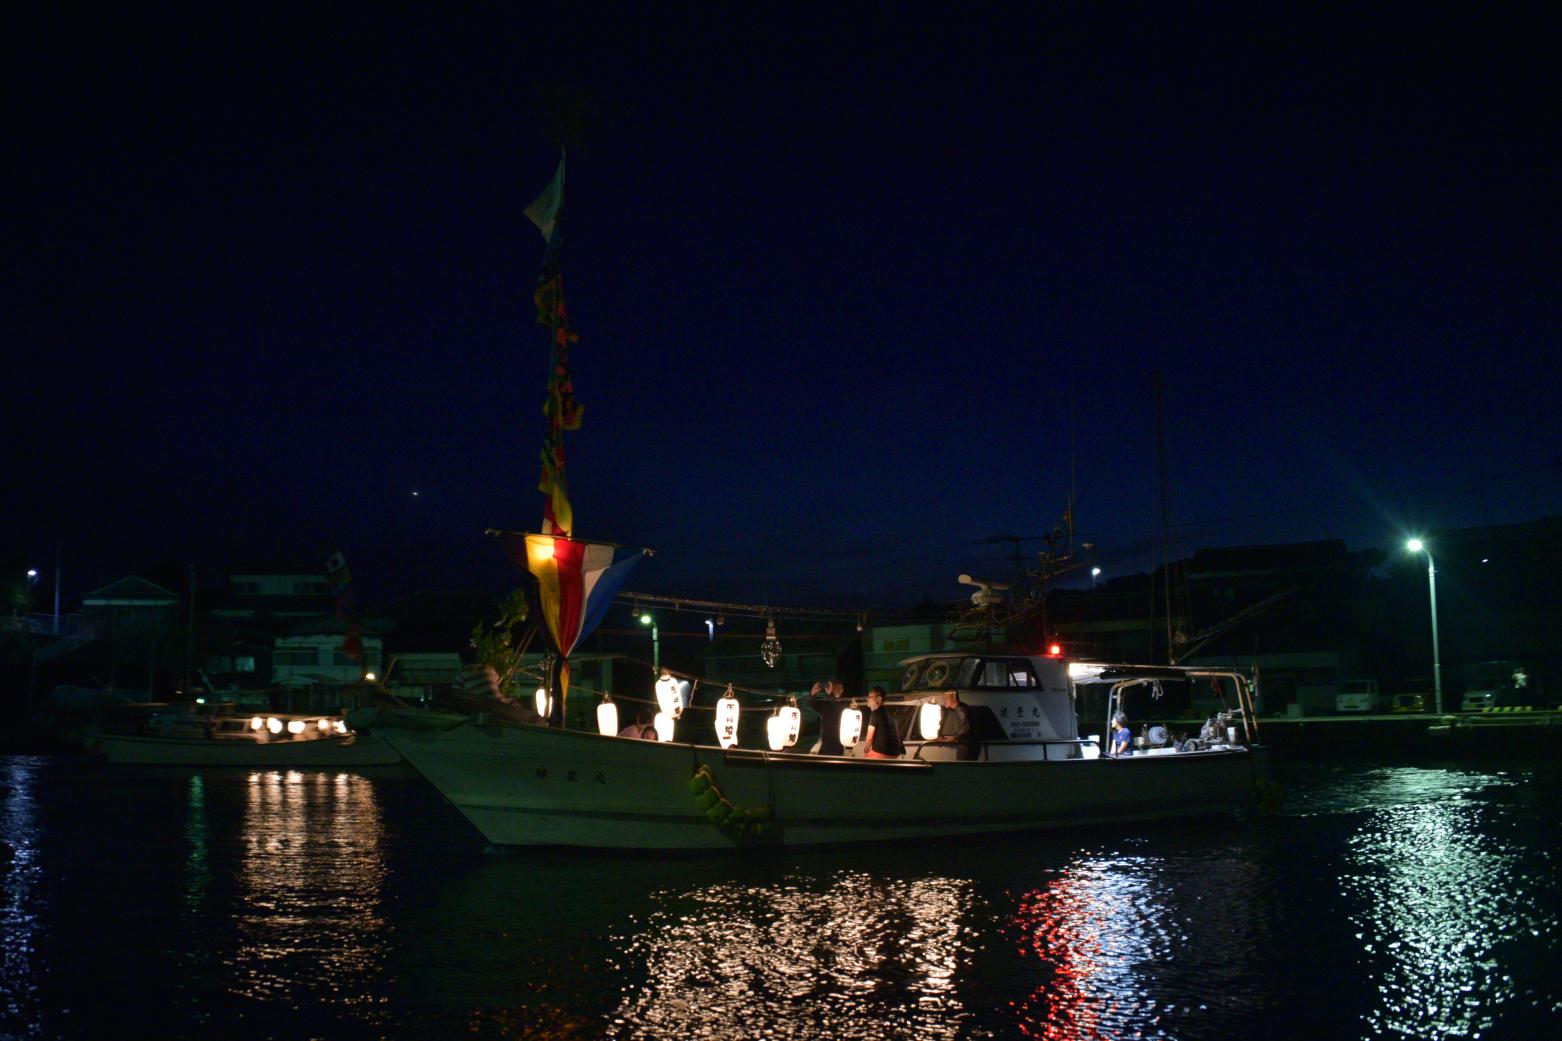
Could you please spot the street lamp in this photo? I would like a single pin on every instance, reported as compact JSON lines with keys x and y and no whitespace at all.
{"x":1095,"y":573}
{"x":1417,"y":546}
{"x":656,"y":641}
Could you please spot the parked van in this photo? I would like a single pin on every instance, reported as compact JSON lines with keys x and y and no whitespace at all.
{"x":1498,"y":684}
{"x":1358,"y":696}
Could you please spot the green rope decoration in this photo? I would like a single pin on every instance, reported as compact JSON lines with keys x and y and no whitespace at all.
{"x":1267,"y":797}
{"x":741,"y":822}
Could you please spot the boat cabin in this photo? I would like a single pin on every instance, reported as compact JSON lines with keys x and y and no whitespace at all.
{"x":1033,"y":707}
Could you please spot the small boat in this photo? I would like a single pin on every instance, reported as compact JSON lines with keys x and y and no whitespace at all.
{"x":182,"y":735}
{"x":524,"y":785}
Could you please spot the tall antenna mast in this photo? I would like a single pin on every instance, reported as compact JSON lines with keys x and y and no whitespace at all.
{"x":1160,"y":465}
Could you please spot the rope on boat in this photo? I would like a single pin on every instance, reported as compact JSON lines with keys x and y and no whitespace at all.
{"x":1267,"y":795}
{"x":740,"y":822}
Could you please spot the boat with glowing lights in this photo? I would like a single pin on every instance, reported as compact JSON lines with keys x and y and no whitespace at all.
{"x":531,"y":785}
{"x":182,"y":736}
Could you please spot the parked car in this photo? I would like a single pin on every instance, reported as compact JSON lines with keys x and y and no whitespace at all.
{"x":1358,"y":696}
{"x":1407,"y":703}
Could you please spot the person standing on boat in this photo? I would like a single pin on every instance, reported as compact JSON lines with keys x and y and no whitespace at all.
{"x":882,"y":740}
{"x":825,"y":700}
{"x":954,"y":727}
{"x":1122,"y":737}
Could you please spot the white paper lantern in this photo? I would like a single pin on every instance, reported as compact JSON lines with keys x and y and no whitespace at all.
{"x":727,"y":719}
{"x":607,"y":717}
{"x":672,"y":695}
{"x":274,"y":725}
{"x":295,"y":726}
{"x":256,"y":723}
{"x":792,"y":717}
{"x":541,"y":700}
{"x":928,"y":719}
{"x":775,"y":731}
{"x":851,"y":725}
{"x":664,"y":727}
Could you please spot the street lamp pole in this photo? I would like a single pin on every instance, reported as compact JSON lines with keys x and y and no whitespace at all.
{"x":656,"y":642}
{"x":1417,"y":546}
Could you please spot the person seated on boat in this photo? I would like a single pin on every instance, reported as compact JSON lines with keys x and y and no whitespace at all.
{"x":1122,"y":737}
{"x":644,"y":726}
{"x":882,"y":742}
{"x":954,"y":727}
{"x":824,"y":699}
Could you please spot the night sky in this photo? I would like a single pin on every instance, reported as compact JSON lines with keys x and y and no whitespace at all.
{"x":855,"y":295}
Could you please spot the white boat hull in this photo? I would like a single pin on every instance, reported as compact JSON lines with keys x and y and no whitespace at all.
{"x":349,"y":750}
{"x":532,"y":786}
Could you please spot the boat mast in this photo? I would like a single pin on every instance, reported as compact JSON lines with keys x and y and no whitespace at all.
{"x":1160,"y":465}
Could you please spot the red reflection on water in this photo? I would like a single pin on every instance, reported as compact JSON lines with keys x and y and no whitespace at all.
{"x":1063,"y":925}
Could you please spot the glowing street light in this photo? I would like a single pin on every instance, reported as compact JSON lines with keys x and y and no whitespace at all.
{"x":1417,"y":546}
{"x":656,"y":640}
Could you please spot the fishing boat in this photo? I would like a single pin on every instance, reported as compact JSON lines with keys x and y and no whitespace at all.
{"x":185,"y":735}
{"x":544,"y":786}
{"x":1022,"y":765}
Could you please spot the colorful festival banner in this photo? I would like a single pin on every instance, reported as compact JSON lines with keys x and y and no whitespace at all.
{"x":560,"y":408}
{"x":576,"y":580}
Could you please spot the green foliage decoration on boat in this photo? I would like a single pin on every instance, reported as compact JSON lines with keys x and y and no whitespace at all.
{"x":741,"y":822}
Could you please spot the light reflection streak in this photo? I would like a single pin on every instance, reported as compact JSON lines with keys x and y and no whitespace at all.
{"x":868,"y":958}
{"x":1439,"y":896}
{"x":20,"y":875}
{"x":311,"y":876}
{"x":1137,"y":946}
{"x":197,"y":865}
{"x":1089,"y":928}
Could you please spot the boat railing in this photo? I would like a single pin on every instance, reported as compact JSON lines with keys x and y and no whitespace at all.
{"x":1028,"y":742}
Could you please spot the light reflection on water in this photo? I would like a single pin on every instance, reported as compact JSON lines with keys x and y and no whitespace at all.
{"x":310,"y":879}
{"x":1091,"y":932}
{"x":20,"y":874}
{"x":1441,"y":891}
{"x":864,"y":957}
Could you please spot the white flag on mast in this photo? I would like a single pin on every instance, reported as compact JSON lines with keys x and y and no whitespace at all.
{"x":544,"y":210}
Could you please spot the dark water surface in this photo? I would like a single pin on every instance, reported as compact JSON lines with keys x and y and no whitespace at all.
{"x":1385,"y":901}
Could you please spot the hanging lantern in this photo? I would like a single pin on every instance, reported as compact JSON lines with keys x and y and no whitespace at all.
{"x":672,"y":695}
{"x":607,"y":716}
{"x":274,"y":725}
{"x":727,"y":719}
{"x":775,"y":731}
{"x":792,"y":716}
{"x":541,"y":700}
{"x":928,"y":719}
{"x":664,"y":727}
{"x":770,"y":650}
{"x":851,"y":725}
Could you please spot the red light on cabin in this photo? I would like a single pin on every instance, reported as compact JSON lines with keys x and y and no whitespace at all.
{"x":1054,"y":650}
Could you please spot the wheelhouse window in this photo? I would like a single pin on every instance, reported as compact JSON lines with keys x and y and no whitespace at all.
{"x":1005,"y":674}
